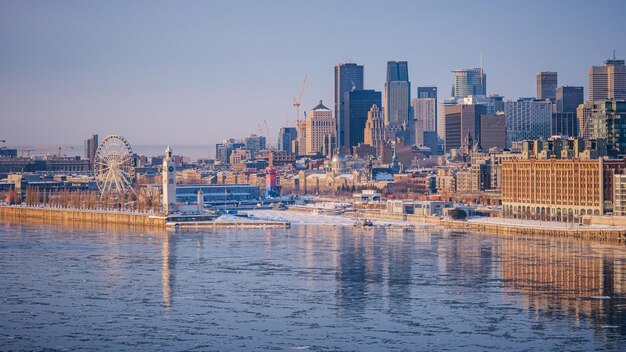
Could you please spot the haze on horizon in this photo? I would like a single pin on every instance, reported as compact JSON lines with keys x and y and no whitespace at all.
{"x":196,"y":72}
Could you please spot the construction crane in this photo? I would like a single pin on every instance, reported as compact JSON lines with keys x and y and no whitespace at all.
{"x":42,"y":147}
{"x":268,"y":141}
{"x":298,"y":100}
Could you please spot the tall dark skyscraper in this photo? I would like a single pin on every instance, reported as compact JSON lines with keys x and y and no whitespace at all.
{"x":397,"y":95}
{"x":348,"y":77}
{"x":286,"y":136}
{"x":568,"y":98}
{"x":546,"y":85}
{"x":357,"y":103}
{"x":564,"y":120}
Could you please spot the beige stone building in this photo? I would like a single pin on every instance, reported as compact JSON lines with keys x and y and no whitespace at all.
{"x":374,"y":132}
{"x":320,"y":129}
{"x":561,"y":190}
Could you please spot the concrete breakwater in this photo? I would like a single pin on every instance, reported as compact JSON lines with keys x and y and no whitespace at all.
{"x":78,"y":215}
{"x":230,"y":224}
{"x":123,"y":219}
{"x":615,"y":234}
{"x":590,"y":233}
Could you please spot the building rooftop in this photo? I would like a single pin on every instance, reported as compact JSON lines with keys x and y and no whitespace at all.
{"x":320,"y":106}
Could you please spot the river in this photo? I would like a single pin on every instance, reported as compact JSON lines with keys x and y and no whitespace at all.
{"x":311,"y":287}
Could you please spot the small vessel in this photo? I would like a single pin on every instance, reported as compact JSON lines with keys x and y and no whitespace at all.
{"x":364,"y":223}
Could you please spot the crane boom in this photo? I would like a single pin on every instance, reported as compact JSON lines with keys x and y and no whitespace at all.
{"x":298,"y":100}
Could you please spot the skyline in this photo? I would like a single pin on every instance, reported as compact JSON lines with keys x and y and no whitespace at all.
{"x":73,"y":68}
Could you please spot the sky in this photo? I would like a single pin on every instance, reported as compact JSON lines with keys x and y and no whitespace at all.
{"x":197,"y":72}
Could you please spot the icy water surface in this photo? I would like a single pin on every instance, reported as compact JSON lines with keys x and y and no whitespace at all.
{"x":316,"y":288}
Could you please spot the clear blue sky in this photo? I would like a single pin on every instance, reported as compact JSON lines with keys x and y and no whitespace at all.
{"x":195,"y":72}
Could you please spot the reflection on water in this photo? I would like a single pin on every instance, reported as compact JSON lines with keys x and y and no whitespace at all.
{"x":309,"y":287}
{"x":584,"y":279}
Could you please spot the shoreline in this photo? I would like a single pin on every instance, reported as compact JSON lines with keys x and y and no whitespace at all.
{"x":497,"y":226}
{"x":284,"y":219}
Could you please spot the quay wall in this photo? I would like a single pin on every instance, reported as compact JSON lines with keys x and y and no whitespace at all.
{"x":604,"y":234}
{"x":76,"y":215}
{"x":600,"y":234}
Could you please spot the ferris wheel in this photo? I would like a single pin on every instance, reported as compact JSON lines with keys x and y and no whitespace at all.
{"x":113,"y":165}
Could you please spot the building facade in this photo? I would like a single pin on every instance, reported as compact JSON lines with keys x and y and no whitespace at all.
{"x":462,"y":121}
{"x":357,"y":104}
{"x":493,"y":131}
{"x":608,"y":121}
{"x":557,"y":190}
{"x":320,"y":129}
{"x":255,"y":144}
{"x":608,"y":81}
{"x":286,"y":136}
{"x":619,"y":195}
{"x":424,"y":117}
{"x":427,"y":92}
{"x":224,"y":149}
{"x":565,"y":124}
{"x":583,"y":115}
{"x":528,"y":118}
{"x":546,"y":85}
{"x":568,"y":98}
{"x":91,"y":146}
{"x":469,"y":82}
{"x":397,"y":95}
{"x":348,"y":77}
{"x":374,"y":131}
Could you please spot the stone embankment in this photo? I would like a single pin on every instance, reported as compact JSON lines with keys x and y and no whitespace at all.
{"x":79,"y":215}
{"x":605,"y":230}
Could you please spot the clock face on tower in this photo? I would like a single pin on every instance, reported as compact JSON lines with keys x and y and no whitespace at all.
{"x":170,"y":169}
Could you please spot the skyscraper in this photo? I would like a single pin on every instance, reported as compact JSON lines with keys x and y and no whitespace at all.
{"x":546,"y":85}
{"x":91,"y":145}
{"x":428,"y":92}
{"x":460,"y":121}
{"x":397,"y":95}
{"x":320,"y":130}
{"x":568,"y":98}
{"x":374,"y":132}
{"x":527,"y":119}
{"x":607,"y":122}
{"x":356,"y":105}
{"x":424,"y":117}
{"x":608,"y":81}
{"x":564,"y":124}
{"x":255,"y":144}
{"x":469,"y":82}
{"x":583,"y":115}
{"x":564,"y":120}
{"x":286,"y":136}
{"x":348,"y":77}
{"x":493,"y":131}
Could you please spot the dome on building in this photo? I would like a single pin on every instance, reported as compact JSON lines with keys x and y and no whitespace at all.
{"x":338,"y":162}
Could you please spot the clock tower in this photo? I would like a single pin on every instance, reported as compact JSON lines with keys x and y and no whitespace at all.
{"x":169,"y":182}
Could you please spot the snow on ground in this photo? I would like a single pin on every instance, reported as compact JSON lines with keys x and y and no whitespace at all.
{"x":299,"y":218}
{"x":541,"y":224}
{"x":305,"y":218}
